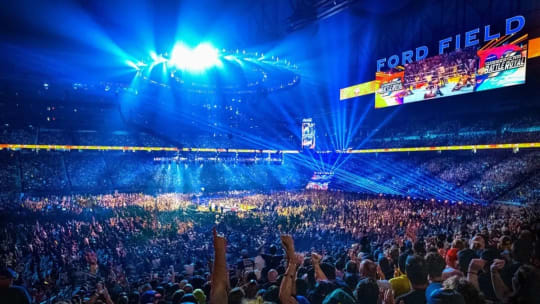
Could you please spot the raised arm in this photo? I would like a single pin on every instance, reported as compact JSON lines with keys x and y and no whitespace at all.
{"x":319,"y":274}
{"x":501,"y":290}
{"x":260,"y":249}
{"x":288,"y":286}
{"x":100,"y":290}
{"x":220,"y":280}
{"x":475,"y":266}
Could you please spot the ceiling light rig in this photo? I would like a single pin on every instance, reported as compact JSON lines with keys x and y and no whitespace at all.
{"x":197,"y":69}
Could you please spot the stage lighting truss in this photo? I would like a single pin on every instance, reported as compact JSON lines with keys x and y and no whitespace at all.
{"x":207,"y":70}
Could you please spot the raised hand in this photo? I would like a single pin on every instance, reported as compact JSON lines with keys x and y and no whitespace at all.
{"x":219,"y":280}
{"x":497,"y":265}
{"x":397,"y":272}
{"x":220,"y":243}
{"x":288,"y":244}
{"x":388,"y":297}
{"x":476,"y":265}
{"x":315,"y":258}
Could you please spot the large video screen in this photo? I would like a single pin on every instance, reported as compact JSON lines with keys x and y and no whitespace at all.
{"x":320,"y":181}
{"x":499,"y":63}
{"x":308,"y":134}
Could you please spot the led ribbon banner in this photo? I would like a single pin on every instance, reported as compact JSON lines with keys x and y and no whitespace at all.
{"x":266,"y":151}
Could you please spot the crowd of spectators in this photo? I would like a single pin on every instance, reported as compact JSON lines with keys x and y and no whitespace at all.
{"x":147,"y":140}
{"x":93,"y":138}
{"x":465,"y":176}
{"x":527,"y":191}
{"x":459,"y":172}
{"x":484,"y":176}
{"x":337,"y":248}
{"x":400,"y":133}
{"x":87,"y":171}
{"x":472,"y":131}
{"x":43,"y":172}
{"x":9,"y":172}
{"x":44,"y":136}
{"x":25,"y":136}
{"x":95,"y":172}
{"x":53,"y":137}
{"x":504,"y":174}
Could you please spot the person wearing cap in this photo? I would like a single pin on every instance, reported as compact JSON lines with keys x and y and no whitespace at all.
{"x":177,"y":296}
{"x":189,"y":298}
{"x":400,"y":283}
{"x":338,"y":296}
{"x":465,"y":257}
{"x":451,"y":264}
{"x":10,"y":293}
{"x":188,"y":288}
{"x":367,"y":291}
{"x":148,"y":296}
{"x":418,"y":275}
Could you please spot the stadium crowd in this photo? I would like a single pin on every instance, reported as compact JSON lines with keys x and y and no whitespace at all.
{"x":473,"y":131}
{"x":509,"y":128}
{"x":487,"y":175}
{"x":484,"y":176}
{"x":337,"y":248}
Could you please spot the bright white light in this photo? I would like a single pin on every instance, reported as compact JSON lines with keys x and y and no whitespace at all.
{"x":233,"y":58}
{"x":156,"y":59}
{"x":132,"y":64}
{"x":202,"y":57}
{"x":180,"y":56}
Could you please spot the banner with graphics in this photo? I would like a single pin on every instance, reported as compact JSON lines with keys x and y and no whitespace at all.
{"x":499,"y":63}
